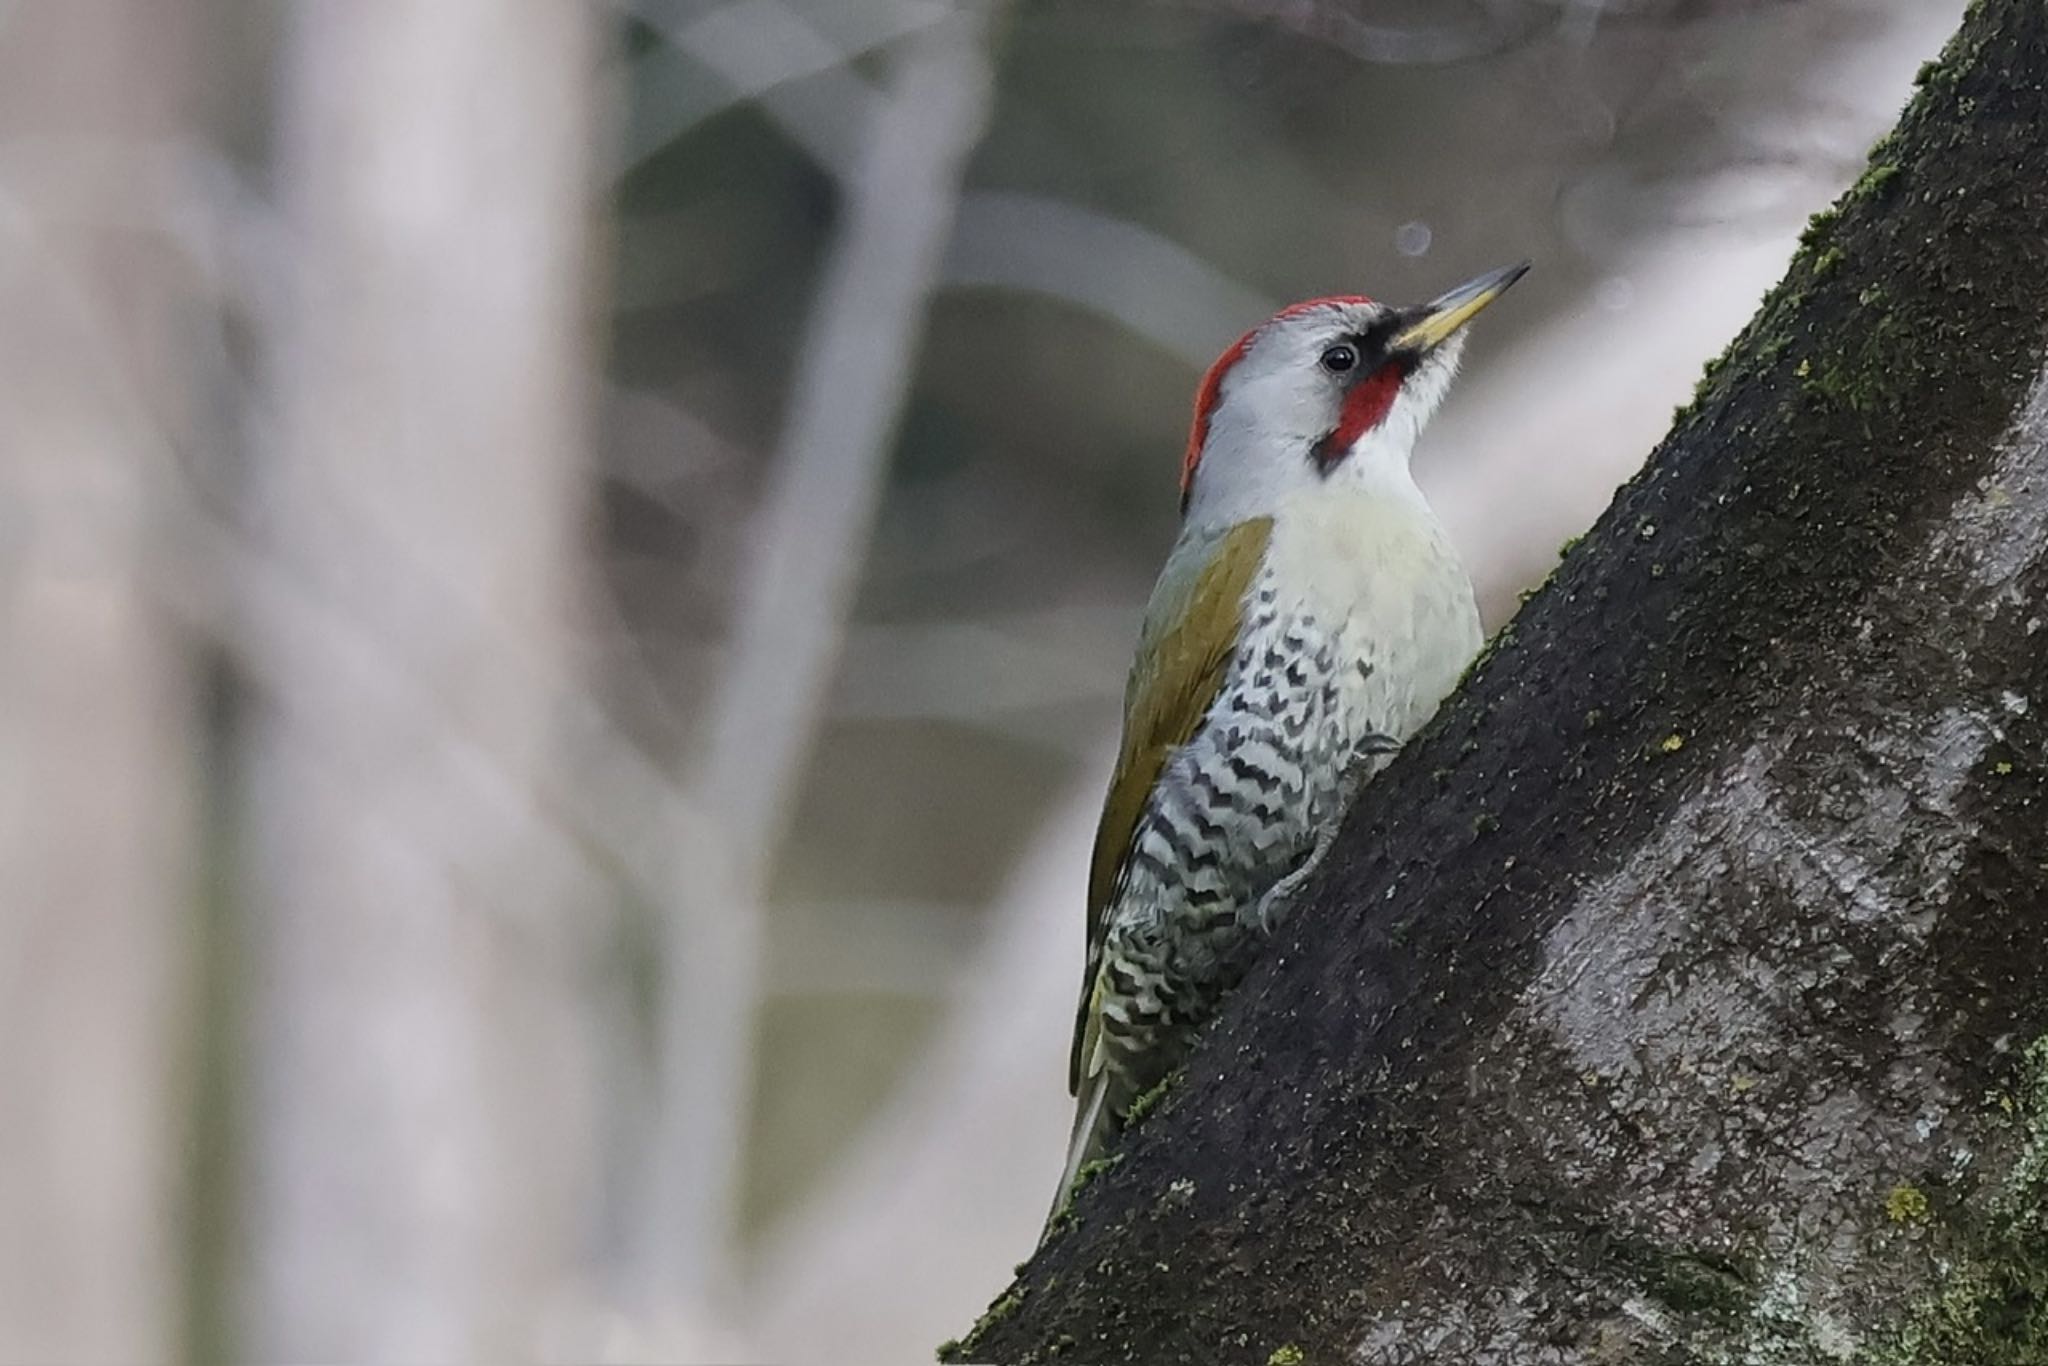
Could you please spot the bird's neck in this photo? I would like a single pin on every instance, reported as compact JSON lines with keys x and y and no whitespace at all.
{"x":1376,"y":489}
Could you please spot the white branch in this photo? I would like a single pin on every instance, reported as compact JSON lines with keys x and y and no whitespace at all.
{"x":945,"y":1188}
{"x":755,"y":48}
{"x":97,"y":864}
{"x":795,"y":589}
{"x":420,"y":1097}
{"x":1123,"y":270}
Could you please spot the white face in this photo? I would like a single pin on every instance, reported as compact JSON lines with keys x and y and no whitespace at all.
{"x":1316,"y":402}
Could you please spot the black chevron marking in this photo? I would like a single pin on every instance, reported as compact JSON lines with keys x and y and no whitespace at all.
{"x":1245,"y":771}
{"x":1174,"y":839}
{"x":1141,"y":857}
{"x":1205,"y":783}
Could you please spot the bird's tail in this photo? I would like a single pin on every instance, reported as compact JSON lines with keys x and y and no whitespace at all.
{"x":1093,"y":1125}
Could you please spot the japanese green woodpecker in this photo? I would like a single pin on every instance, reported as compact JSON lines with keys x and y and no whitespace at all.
{"x":1310,"y":618}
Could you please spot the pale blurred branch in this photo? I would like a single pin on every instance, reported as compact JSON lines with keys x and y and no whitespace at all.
{"x":1473,"y":29}
{"x":925,"y":1211}
{"x":794,"y":590}
{"x":1123,"y":270}
{"x":755,"y":48}
{"x":97,"y":822}
{"x":421,"y":1105}
{"x":1126,"y":272}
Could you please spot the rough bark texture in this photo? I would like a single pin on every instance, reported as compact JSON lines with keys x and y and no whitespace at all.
{"x":1678,"y":997}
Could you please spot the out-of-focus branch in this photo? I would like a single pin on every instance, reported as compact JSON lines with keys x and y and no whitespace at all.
{"x":754,"y":48}
{"x":1000,"y":239}
{"x":96,"y":859}
{"x":924,"y":1213}
{"x":418,"y":1110}
{"x":795,"y":588}
{"x":1487,"y":26}
{"x":1123,"y":270}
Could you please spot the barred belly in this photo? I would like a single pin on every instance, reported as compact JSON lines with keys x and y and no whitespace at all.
{"x":1236,"y":809}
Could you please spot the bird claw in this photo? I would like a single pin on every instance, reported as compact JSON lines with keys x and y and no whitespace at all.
{"x":1368,"y":757}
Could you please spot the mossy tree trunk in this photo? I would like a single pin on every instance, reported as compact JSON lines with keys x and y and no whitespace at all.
{"x":1682,"y":994}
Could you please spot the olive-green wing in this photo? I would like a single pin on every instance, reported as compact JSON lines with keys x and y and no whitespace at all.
{"x":1191,"y":627}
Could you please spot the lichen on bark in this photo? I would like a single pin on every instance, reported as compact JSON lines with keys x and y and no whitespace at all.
{"x":1991,"y":1306}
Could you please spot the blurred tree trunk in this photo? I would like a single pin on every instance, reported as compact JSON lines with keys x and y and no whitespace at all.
{"x":96,"y":870}
{"x":1679,"y":996}
{"x":420,"y":1106}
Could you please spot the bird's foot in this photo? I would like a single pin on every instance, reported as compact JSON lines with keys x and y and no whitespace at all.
{"x":1368,"y":757}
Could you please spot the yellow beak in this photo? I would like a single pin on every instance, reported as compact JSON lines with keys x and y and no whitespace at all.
{"x":1432,"y":324}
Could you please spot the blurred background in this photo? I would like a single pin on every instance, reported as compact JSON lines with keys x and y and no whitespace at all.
{"x":566,"y":570}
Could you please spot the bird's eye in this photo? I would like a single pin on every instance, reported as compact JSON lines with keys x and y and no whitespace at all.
{"x":1340,"y":358}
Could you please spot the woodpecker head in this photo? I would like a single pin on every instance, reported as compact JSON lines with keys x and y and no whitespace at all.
{"x":1327,"y":393}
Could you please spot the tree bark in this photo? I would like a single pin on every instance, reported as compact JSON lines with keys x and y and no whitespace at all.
{"x":1678,"y":995}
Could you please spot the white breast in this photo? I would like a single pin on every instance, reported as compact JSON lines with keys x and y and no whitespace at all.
{"x":1377,"y":571}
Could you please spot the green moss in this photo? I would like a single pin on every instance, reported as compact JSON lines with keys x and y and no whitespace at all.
{"x":1864,"y":375}
{"x":1083,"y":1175}
{"x":1819,"y":226}
{"x":1149,"y":1099}
{"x":1010,"y":1303}
{"x":1565,"y":548}
{"x":1063,"y":1218}
{"x":1876,"y":178}
{"x":1088,"y":1171}
{"x":1825,"y":263}
{"x":1286,"y":1355}
{"x":1709,"y":371}
{"x":1503,"y":637}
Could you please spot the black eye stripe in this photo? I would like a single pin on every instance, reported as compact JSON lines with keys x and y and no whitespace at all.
{"x":1368,"y":349}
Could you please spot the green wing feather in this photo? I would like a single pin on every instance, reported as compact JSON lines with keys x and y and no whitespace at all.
{"x":1184,"y":650}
